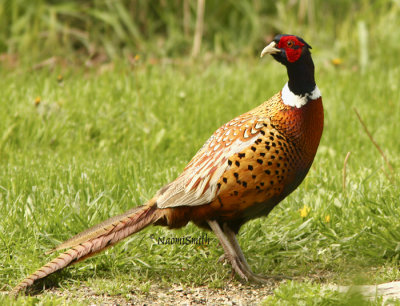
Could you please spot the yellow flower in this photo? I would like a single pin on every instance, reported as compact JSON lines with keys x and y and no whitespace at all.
{"x":59,"y":78}
{"x":337,"y":61}
{"x":137,"y":57}
{"x":304,"y":211}
{"x":327,"y":218}
{"x":37,"y":101}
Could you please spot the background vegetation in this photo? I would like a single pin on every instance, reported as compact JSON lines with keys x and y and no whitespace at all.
{"x":103,"y":102}
{"x":39,"y":29}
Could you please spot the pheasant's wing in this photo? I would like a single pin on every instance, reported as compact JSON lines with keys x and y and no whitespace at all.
{"x":197,"y":185}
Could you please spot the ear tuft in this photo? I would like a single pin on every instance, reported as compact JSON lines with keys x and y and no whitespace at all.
{"x":303,"y":41}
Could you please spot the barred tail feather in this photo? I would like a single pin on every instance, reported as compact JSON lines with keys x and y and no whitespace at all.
{"x":127,"y":225}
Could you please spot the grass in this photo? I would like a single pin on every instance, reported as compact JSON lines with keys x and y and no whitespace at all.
{"x":79,"y":145}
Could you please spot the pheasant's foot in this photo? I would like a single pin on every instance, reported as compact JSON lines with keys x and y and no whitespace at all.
{"x":267,"y":278}
{"x":244,"y":272}
{"x":237,"y":266}
{"x":234,"y":255}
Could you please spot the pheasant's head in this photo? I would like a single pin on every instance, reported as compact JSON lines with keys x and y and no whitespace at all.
{"x":293,"y":52}
{"x":287,"y":49}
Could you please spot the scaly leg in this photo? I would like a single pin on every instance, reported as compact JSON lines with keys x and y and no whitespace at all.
{"x":230,"y":235}
{"x":230,"y":253}
{"x":234,"y":254}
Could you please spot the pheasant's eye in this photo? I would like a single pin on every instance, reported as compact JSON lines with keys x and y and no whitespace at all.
{"x":290,"y":43}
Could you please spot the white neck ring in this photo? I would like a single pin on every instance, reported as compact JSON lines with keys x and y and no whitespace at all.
{"x":291,"y":99}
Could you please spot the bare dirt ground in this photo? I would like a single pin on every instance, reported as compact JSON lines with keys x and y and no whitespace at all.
{"x":231,"y":294}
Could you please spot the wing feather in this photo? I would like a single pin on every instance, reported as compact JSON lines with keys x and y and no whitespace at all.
{"x":197,"y":185}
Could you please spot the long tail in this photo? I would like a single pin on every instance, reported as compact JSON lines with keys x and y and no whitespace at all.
{"x":96,"y":239}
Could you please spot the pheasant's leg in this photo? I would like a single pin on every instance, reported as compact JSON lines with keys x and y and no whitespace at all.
{"x":230,"y":253}
{"x":231,"y":237}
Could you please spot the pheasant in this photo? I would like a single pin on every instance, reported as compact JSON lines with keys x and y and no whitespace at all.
{"x":242,"y":172}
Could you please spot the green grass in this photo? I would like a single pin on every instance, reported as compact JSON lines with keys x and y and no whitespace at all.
{"x":307,"y":293}
{"x":104,"y":140}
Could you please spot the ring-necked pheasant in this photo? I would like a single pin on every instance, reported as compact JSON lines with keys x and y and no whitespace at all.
{"x":247,"y":167}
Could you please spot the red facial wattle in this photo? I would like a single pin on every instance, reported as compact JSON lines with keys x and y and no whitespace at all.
{"x":292,"y":46}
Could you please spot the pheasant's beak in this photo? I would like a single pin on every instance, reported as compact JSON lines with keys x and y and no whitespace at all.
{"x":270,"y":49}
